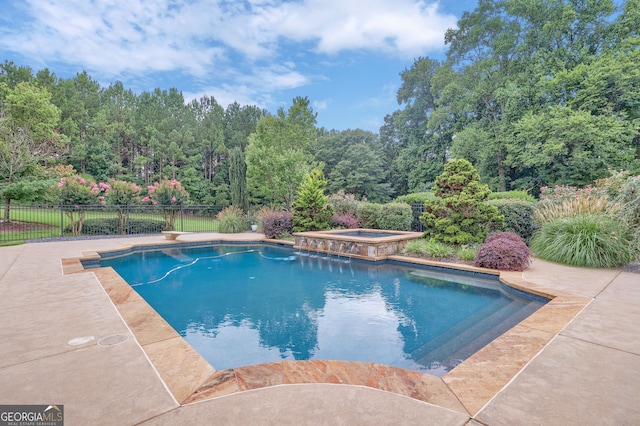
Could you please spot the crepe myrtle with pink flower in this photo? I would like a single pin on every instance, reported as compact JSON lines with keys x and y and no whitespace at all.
{"x":120,"y":195}
{"x":168,"y":195}
{"x":72,"y":193}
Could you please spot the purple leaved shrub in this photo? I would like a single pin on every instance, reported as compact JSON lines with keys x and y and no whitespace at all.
{"x":504,"y":251}
{"x":276,"y":225}
{"x":504,"y":236}
{"x":344,"y":221}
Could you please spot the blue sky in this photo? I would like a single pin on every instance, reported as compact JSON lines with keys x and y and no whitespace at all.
{"x":344,"y":55}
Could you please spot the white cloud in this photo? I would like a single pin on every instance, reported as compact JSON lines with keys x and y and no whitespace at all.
{"x":242,"y":51}
{"x":321,"y":104}
{"x":402,"y":27}
{"x":253,"y":87}
{"x":160,"y":35}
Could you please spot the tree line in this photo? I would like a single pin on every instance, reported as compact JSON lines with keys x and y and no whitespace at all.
{"x":532,"y":92}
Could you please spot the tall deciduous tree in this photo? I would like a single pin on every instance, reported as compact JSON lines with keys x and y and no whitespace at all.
{"x":28,"y":134}
{"x":280,"y":153}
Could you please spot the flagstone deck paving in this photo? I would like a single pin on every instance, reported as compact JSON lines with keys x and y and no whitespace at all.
{"x":575,"y":361}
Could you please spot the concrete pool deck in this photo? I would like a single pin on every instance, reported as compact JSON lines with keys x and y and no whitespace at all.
{"x":576,"y":363}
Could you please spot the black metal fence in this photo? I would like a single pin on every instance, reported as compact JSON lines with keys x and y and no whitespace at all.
{"x":41,"y":222}
{"x":34,"y":222}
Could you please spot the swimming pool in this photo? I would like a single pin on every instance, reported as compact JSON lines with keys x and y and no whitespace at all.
{"x":247,"y":304}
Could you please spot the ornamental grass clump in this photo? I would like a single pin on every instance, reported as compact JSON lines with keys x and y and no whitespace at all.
{"x":505,"y":251}
{"x":567,"y":201}
{"x":629,"y":199}
{"x":231,"y":220}
{"x":589,"y":240}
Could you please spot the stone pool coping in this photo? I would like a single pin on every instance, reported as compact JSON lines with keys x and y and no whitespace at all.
{"x":466,"y":389}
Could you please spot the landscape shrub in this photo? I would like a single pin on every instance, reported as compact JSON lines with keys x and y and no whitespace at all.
{"x":504,"y":251}
{"x":232,"y":220}
{"x":429,"y":247}
{"x":277,"y":225}
{"x":145,"y":226}
{"x":613,"y":184}
{"x":629,"y":200}
{"x":512,"y":195}
{"x":263,"y":212}
{"x":459,"y":214}
{"x":395,"y":216}
{"x":344,"y":221}
{"x":416,"y":200}
{"x":112,"y":226}
{"x":120,"y":194}
{"x":466,"y":253}
{"x":71,"y":193}
{"x":589,"y":240}
{"x":567,"y":201}
{"x":169,"y":195}
{"x":342,"y":203}
{"x":504,"y":235}
{"x":368,"y":214}
{"x":518,"y":216}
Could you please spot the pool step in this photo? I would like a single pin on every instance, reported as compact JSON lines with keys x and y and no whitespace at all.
{"x":467,"y":337}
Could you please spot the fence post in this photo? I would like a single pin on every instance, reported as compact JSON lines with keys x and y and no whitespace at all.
{"x":128,"y":210}
{"x":61,"y":221}
{"x":181,"y":218}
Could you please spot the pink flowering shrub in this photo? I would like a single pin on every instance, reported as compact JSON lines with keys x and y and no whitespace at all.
{"x":504,"y":251}
{"x":343,"y":203}
{"x":72,"y":192}
{"x":169,"y":195}
{"x":120,"y":194}
{"x":561,"y":193}
{"x":77,"y":191}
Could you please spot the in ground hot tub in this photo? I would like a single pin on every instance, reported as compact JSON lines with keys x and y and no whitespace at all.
{"x":371,"y":244}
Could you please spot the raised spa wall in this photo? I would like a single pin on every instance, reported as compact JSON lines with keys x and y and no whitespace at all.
{"x":370,"y":248}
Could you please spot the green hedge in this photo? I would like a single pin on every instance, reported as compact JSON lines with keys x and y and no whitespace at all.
{"x":512,"y":195}
{"x":518,"y":216}
{"x":110,"y":226}
{"x":416,"y":198}
{"x":395,"y":216}
{"x":367,"y":214}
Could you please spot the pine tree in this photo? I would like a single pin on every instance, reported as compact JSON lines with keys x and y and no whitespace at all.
{"x":459,"y":214}
{"x":310,"y":210}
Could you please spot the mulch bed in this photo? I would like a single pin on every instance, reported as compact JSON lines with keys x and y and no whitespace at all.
{"x":14,"y":226}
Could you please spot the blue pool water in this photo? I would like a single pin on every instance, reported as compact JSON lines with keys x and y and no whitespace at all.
{"x":248,"y":304}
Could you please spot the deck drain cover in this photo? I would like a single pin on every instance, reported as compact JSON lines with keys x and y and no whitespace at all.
{"x":80,"y":340}
{"x":115,"y":339}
